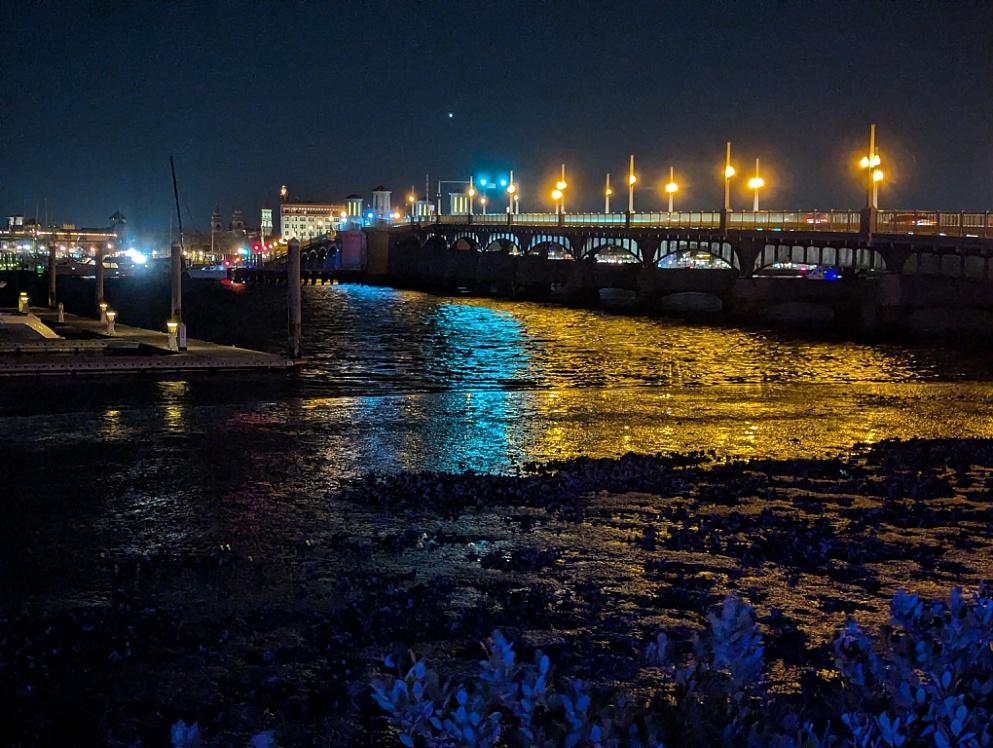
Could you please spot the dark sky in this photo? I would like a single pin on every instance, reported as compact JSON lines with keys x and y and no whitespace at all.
{"x":337,"y":97}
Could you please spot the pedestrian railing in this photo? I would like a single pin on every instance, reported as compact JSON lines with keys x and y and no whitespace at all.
{"x":963,"y":224}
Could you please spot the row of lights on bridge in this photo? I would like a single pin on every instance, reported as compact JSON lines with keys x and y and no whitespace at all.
{"x":869,"y":163}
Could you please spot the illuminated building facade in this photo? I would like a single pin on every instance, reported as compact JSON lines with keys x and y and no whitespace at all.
{"x":304,"y":220}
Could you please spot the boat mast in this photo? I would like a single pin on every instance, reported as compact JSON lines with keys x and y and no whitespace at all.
{"x":175,"y":193}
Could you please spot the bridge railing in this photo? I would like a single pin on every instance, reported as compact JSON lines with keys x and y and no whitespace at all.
{"x":931,"y":223}
{"x":694,"y":219}
{"x":770,"y":220}
{"x":923,"y":222}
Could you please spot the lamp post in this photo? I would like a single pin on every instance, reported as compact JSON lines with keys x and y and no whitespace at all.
{"x":560,"y":187}
{"x":671,"y":187}
{"x":172,"y":327}
{"x":729,"y":172}
{"x":631,"y":180}
{"x":471,"y":192}
{"x":873,"y":173}
{"x":513,"y":195}
{"x":756,"y":183}
{"x":557,"y":197}
{"x":607,"y":192}
{"x":411,"y":200}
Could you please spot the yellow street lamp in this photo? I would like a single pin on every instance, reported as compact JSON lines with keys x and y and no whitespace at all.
{"x":471,"y":192}
{"x":756,"y":183}
{"x":632,"y":178}
{"x":557,"y":197}
{"x":560,"y":187}
{"x":672,"y":188}
{"x":607,"y":192}
{"x":513,"y":195}
{"x":729,"y":171}
{"x":870,"y":164}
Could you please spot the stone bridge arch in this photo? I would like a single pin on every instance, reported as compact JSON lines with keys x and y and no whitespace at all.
{"x":856,"y":258}
{"x":971,"y":265}
{"x":552,"y":246}
{"x":504,"y":242}
{"x":465,"y":241}
{"x":693,"y":253}
{"x":614,"y":250}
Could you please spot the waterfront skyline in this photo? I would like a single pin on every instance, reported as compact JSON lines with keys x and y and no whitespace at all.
{"x":251,"y":96}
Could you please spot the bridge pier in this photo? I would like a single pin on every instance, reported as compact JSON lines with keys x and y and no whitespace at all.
{"x":581,"y":287}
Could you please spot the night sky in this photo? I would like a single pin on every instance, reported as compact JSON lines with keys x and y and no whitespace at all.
{"x":332,"y":98}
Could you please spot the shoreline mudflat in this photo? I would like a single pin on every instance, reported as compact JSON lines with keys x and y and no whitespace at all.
{"x":586,"y":559}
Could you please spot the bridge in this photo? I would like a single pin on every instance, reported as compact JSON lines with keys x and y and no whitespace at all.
{"x":866,"y":267}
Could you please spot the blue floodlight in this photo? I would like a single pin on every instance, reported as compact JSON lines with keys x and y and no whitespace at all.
{"x":483,"y":181}
{"x":503,"y":181}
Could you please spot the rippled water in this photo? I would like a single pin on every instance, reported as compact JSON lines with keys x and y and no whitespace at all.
{"x":212,"y":499}
{"x":404,"y":380}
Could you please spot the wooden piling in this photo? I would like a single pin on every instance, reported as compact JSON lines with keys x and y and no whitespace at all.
{"x":293,"y":295}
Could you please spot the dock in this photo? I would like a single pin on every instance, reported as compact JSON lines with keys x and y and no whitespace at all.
{"x":83,"y":346}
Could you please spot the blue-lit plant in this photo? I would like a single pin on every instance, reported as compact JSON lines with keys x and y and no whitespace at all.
{"x":930,"y":678}
{"x":182,"y":735}
{"x":927,"y":680}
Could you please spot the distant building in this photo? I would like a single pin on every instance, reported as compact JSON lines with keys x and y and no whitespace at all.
{"x":27,"y":235}
{"x":354,"y":206}
{"x":265,"y":225}
{"x":423,"y":209}
{"x":238,"y":222}
{"x":381,"y":202}
{"x":216,"y":226}
{"x":233,"y":239}
{"x":304,"y":219}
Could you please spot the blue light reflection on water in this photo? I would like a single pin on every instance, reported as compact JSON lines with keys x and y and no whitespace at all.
{"x":399,"y":380}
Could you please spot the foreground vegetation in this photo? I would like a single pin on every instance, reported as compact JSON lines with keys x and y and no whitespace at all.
{"x":926,"y":679}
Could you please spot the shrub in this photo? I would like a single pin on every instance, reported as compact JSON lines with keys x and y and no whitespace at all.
{"x":926,"y":679}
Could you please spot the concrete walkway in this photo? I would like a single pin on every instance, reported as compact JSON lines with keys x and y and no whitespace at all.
{"x":129,"y":350}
